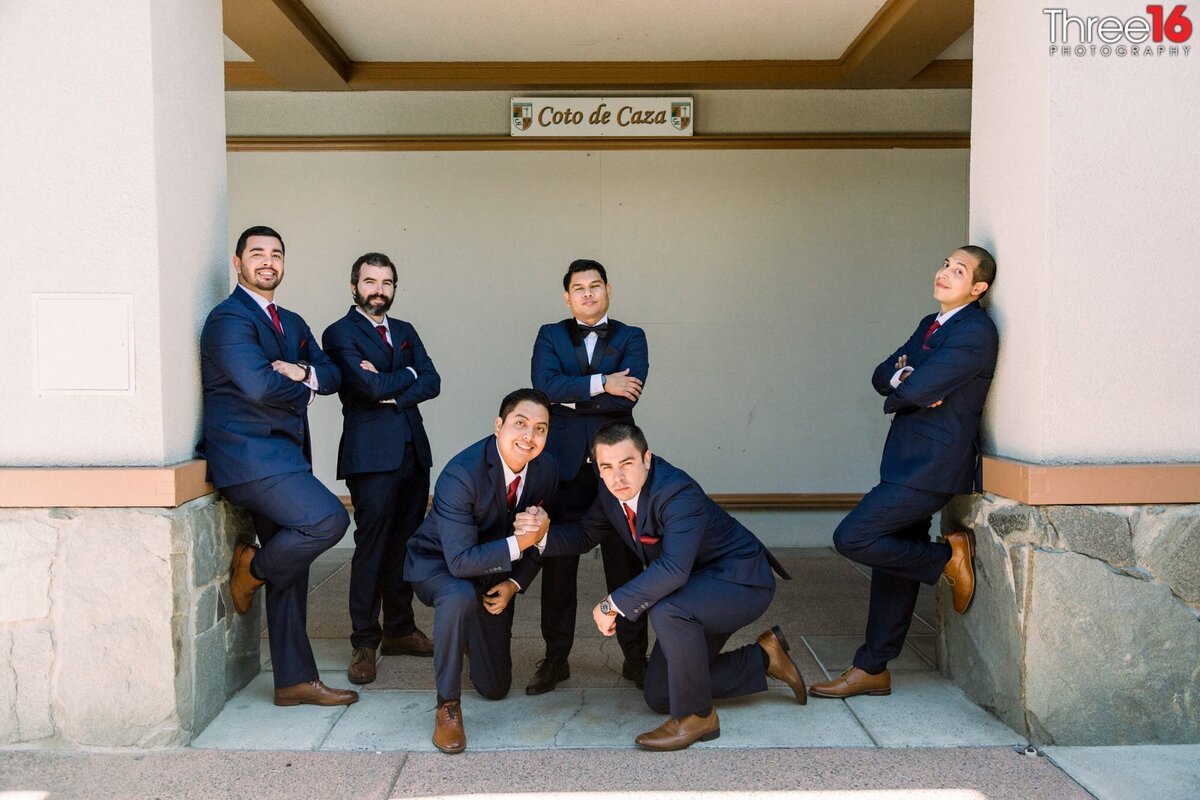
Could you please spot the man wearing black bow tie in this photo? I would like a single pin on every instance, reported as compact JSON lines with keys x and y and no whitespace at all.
{"x":593,"y":370}
{"x":384,"y":458}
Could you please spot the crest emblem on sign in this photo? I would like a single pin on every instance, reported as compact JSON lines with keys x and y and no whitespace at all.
{"x":681,"y":115}
{"x":522,"y":116}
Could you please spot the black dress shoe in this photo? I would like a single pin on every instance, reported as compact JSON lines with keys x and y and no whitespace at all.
{"x":550,"y":673}
{"x":634,"y":669}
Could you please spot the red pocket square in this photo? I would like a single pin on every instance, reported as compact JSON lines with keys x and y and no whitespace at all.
{"x":404,"y":345}
{"x":650,"y":539}
{"x":304,"y":341}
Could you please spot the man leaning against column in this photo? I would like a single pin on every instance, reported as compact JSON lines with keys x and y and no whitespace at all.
{"x":260,"y":366}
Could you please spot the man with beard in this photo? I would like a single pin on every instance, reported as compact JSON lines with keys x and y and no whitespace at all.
{"x":260,"y":366}
{"x":384,"y":458}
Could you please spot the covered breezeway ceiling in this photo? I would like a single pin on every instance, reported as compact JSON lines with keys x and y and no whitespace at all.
{"x":331,"y":45}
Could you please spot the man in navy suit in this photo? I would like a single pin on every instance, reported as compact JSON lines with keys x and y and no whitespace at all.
{"x":593,"y":369}
{"x":260,"y":367}
{"x":706,"y":576}
{"x":935,"y":384}
{"x":384,"y":458}
{"x":467,"y":560}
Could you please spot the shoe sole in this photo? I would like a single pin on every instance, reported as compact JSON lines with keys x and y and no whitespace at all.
{"x":450,"y":751}
{"x":290,"y":703}
{"x":391,"y":652}
{"x":971,"y":560}
{"x":802,"y":699}
{"x":361,"y":681}
{"x":869,"y":693}
{"x":238,"y":549}
{"x":708,"y":737}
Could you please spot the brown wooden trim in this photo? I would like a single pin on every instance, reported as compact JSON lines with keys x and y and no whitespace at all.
{"x":103,"y":487}
{"x":816,"y":141}
{"x":902,"y":39}
{"x":589,"y":75}
{"x":1091,"y":484}
{"x":751,"y":502}
{"x":944,"y":74}
{"x":287,"y":42}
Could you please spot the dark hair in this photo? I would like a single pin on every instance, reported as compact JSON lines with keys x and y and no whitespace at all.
{"x":374,"y":260}
{"x":616,"y":431}
{"x":514,"y":399}
{"x":256,"y":230}
{"x":986,"y":271}
{"x":583,"y":265}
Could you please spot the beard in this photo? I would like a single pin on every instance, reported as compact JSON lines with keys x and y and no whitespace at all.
{"x":374,"y":304}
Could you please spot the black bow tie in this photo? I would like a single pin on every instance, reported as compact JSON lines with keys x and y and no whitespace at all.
{"x":600,"y":330}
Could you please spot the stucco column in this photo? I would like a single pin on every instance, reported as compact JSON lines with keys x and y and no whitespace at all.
{"x":112,"y":250}
{"x":1085,"y":183}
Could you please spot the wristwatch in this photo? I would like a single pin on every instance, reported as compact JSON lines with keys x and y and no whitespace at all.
{"x":603,"y":380}
{"x":606,"y":608}
{"x":307,"y":370}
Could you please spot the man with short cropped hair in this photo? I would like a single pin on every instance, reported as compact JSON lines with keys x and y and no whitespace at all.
{"x":467,"y":559}
{"x":593,"y":370}
{"x":705,"y":577}
{"x":385,"y":459}
{"x":260,"y":367}
{"x":935,"y":384}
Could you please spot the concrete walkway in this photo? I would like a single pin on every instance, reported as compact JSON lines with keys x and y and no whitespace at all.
{"x":927,"y":740}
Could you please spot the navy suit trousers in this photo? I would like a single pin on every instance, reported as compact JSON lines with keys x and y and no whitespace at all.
{"x":560,"y":594}
{"x":296,"y":519}
{"x":388,"y":507}
{"x":889,"y":532}
{"x":460,"y":621}
{"x":687,"y":668}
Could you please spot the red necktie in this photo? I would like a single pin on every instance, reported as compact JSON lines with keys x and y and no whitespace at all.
{"x":631,"y":517}
{"x":275,"y":317}
{"x":383,"y":335}
{"x":932,"y":329}
{"x":512,"y":492}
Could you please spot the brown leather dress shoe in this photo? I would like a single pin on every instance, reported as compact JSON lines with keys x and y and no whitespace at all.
{"x":854,"y":681}
{"x":448,"y":733}
{"x":780,"y":665}
{"x":314,"y":693}
{"x":242,"y":583}
{"x":362,"y":666}
{"x":414,"y":644}
{"x":677,"y":734}
{"x":960,"y":569}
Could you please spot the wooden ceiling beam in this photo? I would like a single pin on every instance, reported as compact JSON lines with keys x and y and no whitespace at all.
{"x":287,"y":43}
{"x":904,"y":38}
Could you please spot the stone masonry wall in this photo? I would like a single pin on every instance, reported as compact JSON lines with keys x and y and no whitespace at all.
{"x":115,"y":624}
{"x":1085,"y":627}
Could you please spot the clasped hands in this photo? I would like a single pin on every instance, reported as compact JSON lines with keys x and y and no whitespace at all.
{"x":901,"y":363}
{"x":530,"y":527}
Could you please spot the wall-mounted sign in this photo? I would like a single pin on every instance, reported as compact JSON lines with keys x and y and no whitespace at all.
{"x":601,"y":116}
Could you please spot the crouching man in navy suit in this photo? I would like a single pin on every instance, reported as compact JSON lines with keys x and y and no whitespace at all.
{"x":260,"y":366}
{"x":935,"y":384}
{"x":706,"y":577}
{"x":384,"y":458}
{"x":467,"y":561}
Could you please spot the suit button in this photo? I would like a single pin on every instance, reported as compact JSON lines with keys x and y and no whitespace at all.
{"x":301,"y":431}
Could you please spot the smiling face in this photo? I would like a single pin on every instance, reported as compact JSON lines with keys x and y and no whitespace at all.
{"x":622,"y":468}
{"x":260,"y":266}
{"x":375,"y":290}
{"x":521,"y":435}
{"x":954,"y":284}
{"x":587,"y":296}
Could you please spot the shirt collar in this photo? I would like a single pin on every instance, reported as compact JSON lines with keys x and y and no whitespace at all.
{"x":603,"y":321}
{"x":509,"y":474}
{"x":258,"y":298}
{"x":633,"y":502}
{"x":374,"y":324}
{"x":946,"y":315}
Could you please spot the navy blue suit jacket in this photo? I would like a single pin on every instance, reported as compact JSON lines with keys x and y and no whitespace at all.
{"x":465,"y":531}
{"x":681,"y":532}
{"x":256,"y":420}
{"x":937,"y":449}
{"x":373,"y":433}
{"x":560,"y":369}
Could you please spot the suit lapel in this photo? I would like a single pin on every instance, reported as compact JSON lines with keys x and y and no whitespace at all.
{"x":368,"y":329}
{"x":496,"y":476}
{"x":577,"y":345}
{"x":259,"y":314}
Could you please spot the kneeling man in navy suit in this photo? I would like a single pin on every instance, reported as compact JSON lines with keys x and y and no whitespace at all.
{"x":935,"y":384}
{"x":466,"y":561}
{"x":706,"y":577}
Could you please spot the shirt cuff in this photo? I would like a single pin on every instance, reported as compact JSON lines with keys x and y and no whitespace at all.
{"x":311,"y":382}
{"x":520,"y":588}
{"x":514,"y":550}
{"x":414,"y":372}
{"x":612,"y":603}
{"x":895,"y":381}
{"x":597,"y":386}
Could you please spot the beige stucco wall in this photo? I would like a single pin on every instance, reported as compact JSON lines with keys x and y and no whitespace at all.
{"x":769,"y":283}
